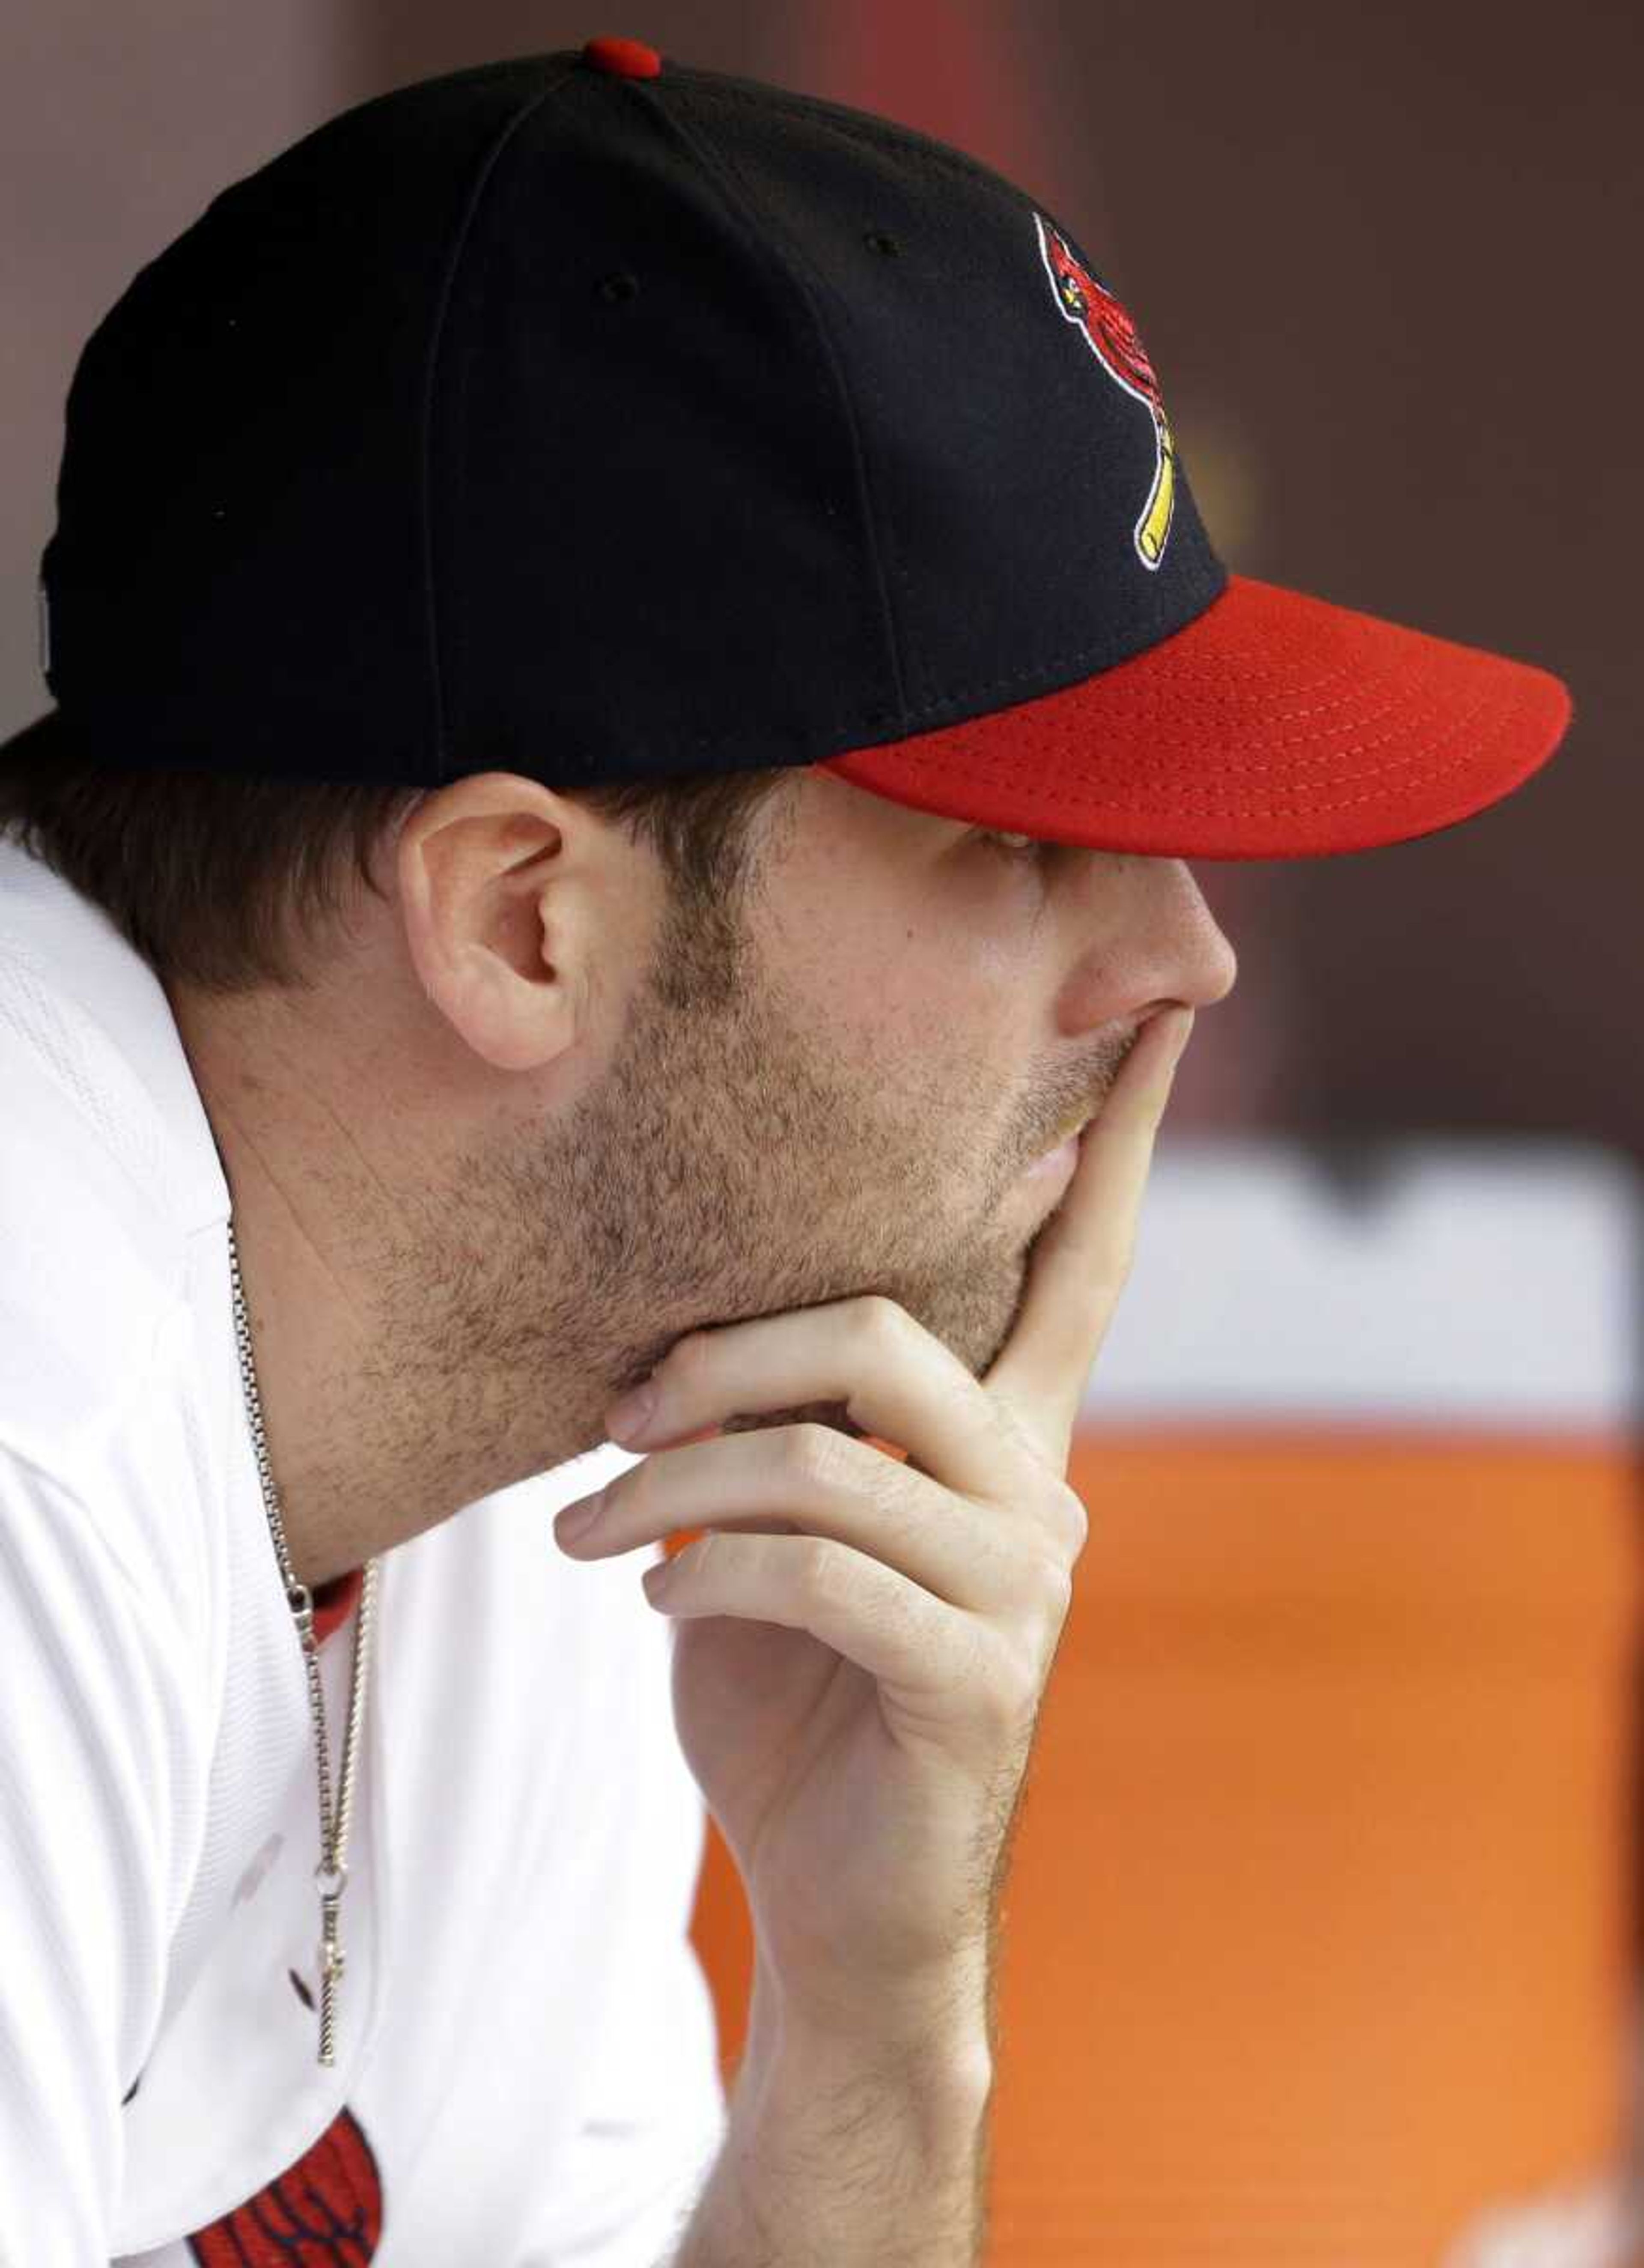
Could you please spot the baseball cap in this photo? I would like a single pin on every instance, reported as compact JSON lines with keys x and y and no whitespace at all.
{"x":597,"y":418}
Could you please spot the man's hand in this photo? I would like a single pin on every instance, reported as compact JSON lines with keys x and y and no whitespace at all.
{"x":864,"y":1643}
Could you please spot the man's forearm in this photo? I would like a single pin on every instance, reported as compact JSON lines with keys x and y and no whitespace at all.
{"x":841,"y":2154}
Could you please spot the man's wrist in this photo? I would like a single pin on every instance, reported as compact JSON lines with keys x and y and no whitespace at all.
{"x":933,"y":2062}
{"x":942,"y":2025}
{"x":836,"y":2144}
{"x":941,"y":2092}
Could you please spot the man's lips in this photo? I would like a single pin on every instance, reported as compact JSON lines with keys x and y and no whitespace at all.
{"x":1064,"y":1150}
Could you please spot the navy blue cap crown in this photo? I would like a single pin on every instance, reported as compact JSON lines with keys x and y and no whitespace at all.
{"x":601,"y":424}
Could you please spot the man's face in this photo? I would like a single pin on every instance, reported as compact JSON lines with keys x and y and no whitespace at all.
{"x":916,"y":1018}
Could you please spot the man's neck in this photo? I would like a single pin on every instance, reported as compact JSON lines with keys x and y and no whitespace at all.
{"x":378,"y":1421}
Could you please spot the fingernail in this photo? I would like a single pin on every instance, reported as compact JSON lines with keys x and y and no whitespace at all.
{"x":578,"y":1519}
{"x":626,"y":1420}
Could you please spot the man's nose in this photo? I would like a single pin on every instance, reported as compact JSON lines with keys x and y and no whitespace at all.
{"x":1214,"y":965}
{"x":1169,"y":945}
{"x":1155,"y":941}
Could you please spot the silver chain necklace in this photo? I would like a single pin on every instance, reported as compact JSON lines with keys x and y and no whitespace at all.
{"x":331,"y":1873}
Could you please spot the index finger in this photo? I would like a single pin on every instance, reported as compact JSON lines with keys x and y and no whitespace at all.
{"x":1081,"y":1262}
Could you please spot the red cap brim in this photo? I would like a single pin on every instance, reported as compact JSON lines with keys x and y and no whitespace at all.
{"x":1274,"y":725}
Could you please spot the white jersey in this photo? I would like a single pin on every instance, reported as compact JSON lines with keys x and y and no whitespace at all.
{"x":527,"y":2068}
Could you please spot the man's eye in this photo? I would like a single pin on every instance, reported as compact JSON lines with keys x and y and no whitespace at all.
{"x":1024,"y":847}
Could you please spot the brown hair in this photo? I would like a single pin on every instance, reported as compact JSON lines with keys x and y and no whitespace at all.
{"x":224,"y":882}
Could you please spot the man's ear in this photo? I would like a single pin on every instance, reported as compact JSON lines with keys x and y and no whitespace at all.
{"x":486,"y":870}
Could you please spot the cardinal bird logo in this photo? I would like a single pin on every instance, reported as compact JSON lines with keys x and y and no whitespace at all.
{"x":1115,"y":340}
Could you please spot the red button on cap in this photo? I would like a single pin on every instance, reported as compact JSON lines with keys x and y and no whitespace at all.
{"x":624,"y":58}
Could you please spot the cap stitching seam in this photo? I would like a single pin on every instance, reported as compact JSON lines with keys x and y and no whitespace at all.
{"x":1140,"y":765}
{"x":1243,"y":810}
{"x":1405,"y":694}
{"x":436,"y":349}
{"x":712,"y":157}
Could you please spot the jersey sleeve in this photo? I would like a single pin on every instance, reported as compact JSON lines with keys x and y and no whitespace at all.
{"x":99,"y":1742}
